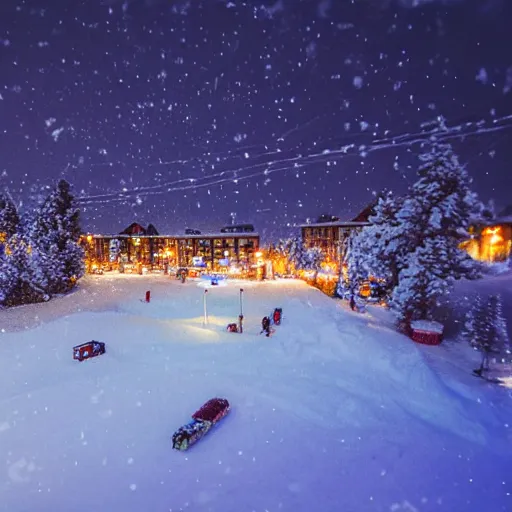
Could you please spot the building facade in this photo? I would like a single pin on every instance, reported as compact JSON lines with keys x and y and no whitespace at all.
{"x":490,"y":242}
{"x":209,"y":251}
{"x":330,"y":237}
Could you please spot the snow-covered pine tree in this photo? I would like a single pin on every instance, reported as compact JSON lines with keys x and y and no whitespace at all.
{"x":21,"y":279}
{"x":298,"y":253}
{"x":356,"y":260}
{"x":9,"y":221}
{"x":293,"y":248}
{"x":376,"y":250}
{"x":469,"y":328}
{"x":422,"y":281}
{"x":486,"y":329}
{"x":433,"y":221}
{"x":54,"y":236}
{"x":500,"y":340}
{"x":9,"y":218}
{"x":314,"y":257}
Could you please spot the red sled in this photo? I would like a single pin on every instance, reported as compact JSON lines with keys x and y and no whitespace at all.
{"x":87,"y":350}
{"x":213,"y":410}
{"x":202,"y":421}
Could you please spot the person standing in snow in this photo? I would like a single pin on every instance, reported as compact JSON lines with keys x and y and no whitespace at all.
{"x":352,"y":302}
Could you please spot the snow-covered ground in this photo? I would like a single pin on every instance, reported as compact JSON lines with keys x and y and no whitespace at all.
{"x":335,"y":412}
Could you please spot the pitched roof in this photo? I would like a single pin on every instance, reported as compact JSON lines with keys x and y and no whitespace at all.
{"x":134,"y":229}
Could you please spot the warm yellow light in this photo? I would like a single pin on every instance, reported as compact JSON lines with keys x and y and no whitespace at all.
{"x":494,"y":234}
{"x":259,"y":254}
{"x":89,"y":238}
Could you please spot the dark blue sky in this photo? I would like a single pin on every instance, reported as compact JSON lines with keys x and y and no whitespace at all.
{"x":180,"y":113}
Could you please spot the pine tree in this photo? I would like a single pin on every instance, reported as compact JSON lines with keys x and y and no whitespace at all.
{"x":313,"y":259}
{"x":379,"y":249}
{"x":376,"y":250}
{"x":54,"y":235}
{"x":486,"y":329}
{"x":9,"y":218}
{"x":433,"y":220}
{"x":9,"y":221}
{"x":422,"y":281}
{"x":293,"y":249}
{"x":469,"y":328}
{"x":21,"y":280}
{"x":297,"y":253}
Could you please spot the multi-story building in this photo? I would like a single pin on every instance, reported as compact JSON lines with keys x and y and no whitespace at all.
{"x":330,"y":234}
{"x":144,"y":246}
{"x":490,"y":242}
{"x":330,"y":237}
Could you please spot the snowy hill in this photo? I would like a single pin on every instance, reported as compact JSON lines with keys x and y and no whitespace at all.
{"x":334,"y":412}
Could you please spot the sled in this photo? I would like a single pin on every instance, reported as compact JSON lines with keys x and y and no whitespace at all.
{"x":202,"y":421}
{"x":87,"y":350}
{"x":277,"y":315}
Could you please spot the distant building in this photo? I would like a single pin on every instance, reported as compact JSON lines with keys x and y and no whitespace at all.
{"x":144,"y":246}
{"x":329,"y":234}
{"x":238,"y":228}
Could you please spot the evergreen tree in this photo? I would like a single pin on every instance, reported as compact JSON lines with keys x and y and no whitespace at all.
{"x":9,"y":218}
{"x":297,"y":253}
{"x":422,"y":281}
{"x":380,"y":249}
{"x":9,"y":221}
{"x":433,"y":220}
{"x":54,"y":236}
{"x":469,"y":328}
{"x":293,"y":248}
{"x":21,"y":279}
{"x":313,"y":259}
{"x":357,"y":262}
{"x":376,"y":250}
{"x":486,"y":329}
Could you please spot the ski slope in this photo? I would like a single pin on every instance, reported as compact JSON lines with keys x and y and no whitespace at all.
{"x":335,"y":412}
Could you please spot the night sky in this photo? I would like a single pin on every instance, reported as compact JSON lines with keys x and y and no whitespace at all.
{"x":182,"y":113}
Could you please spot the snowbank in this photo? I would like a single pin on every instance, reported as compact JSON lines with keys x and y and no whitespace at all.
{"x":334,"y":412}
{"x":427,"y":325}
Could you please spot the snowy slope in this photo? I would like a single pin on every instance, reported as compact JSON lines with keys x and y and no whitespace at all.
{"x":335,"y":412}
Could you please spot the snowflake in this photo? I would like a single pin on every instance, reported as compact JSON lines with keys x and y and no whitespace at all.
{"x":358,"y":82}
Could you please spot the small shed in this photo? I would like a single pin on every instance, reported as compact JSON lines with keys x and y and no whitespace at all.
{"x":427,"y":332}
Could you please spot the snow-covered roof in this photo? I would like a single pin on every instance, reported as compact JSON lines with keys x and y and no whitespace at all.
{"x":336,"y":224}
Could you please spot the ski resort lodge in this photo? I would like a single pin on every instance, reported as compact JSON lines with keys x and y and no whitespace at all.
{"x":489,"y":243}
{"x":233,"y":248}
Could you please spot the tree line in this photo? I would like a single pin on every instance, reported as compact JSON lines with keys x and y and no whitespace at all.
{"x":40,"y":256}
